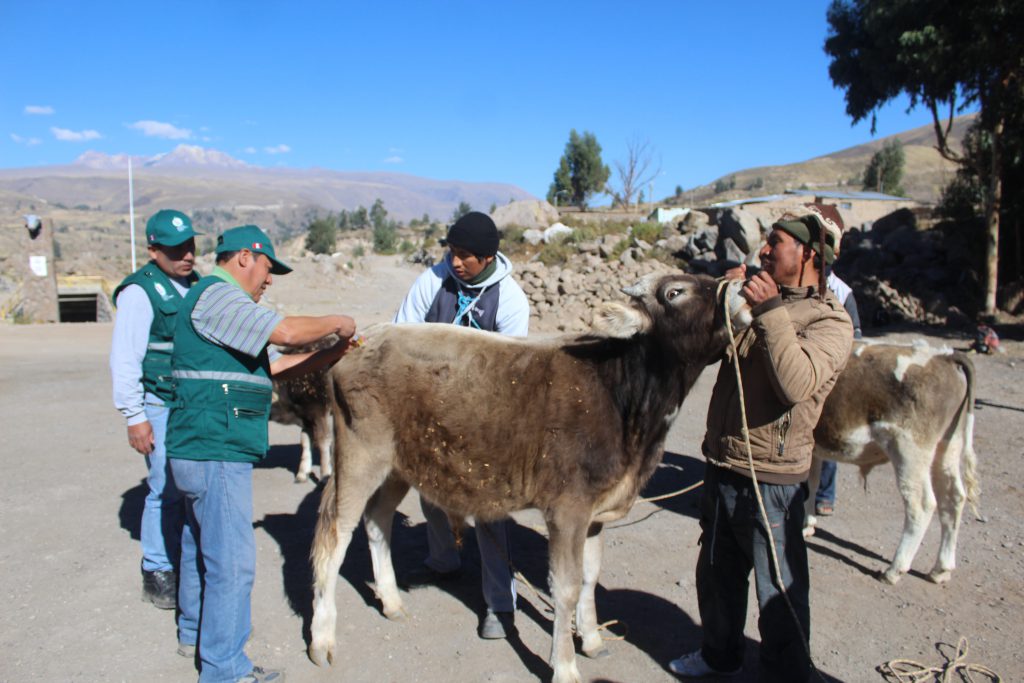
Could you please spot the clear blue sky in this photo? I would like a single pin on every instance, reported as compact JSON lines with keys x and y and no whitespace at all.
{"x":477,"y":91}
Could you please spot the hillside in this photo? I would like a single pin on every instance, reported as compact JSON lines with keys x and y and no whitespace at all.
{"x":924,"y":176}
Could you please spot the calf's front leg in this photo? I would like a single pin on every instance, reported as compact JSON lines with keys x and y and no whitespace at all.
{"x":567,"y":537}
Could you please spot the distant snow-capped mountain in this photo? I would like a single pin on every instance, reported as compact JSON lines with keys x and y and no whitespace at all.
{"x":180,"y":156}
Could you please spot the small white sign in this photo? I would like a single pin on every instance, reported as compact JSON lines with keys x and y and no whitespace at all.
{"x":38,"y":265}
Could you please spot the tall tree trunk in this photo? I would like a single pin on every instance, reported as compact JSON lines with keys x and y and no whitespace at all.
{"x":992,"y":207}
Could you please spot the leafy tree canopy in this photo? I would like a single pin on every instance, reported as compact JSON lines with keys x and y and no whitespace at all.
{"x":945,"y":55}
{"x":321,"y":235}
{"x":580,"y":173}
{"x":885,"y":170}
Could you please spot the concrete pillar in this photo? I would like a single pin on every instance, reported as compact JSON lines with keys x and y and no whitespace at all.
{"x":37,"y":298}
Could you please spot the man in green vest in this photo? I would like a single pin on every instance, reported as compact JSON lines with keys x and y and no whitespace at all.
{"x":140,"y":365}
{"x":222,"y":370}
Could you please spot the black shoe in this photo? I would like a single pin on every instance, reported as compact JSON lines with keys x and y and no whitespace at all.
{"x":425,"y":576}
{"x":160,"y":588}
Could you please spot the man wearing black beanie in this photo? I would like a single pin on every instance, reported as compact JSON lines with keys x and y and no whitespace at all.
{"x":472,"y":286}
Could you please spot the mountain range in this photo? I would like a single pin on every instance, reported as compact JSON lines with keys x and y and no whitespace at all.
{"x":193,"y":178}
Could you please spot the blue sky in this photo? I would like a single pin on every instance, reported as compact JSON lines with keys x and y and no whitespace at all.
{"x":477,"y":91}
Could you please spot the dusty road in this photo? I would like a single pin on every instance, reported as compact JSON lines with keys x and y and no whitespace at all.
{"x":71,"y":495}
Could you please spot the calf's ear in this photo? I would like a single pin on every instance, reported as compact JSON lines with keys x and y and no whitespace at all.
{"x":612,"y":319}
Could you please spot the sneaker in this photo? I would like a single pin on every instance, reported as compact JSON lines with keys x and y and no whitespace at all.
{"x":261,"y":675}
{"x":497,"y":625}
{"x":692,"y":665}
{"x":426,"y":576}
{"x":160,"y":588}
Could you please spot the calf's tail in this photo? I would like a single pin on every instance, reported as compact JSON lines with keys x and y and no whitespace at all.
{"x":325,"y":538}
{"x":970,"y":458}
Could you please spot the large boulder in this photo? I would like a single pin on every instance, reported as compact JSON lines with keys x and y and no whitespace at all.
{"x":741,"y":227}
{"x":694,"y":221}
{"x":557,"y":233}
{"x":529,"y":213}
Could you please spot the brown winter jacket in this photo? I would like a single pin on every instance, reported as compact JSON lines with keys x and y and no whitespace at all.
{"x":790,"y":358}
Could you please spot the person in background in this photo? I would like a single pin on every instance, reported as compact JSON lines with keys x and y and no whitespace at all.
{"x":472,"y":286}
{"x":222,"y":368}
{"x":790,"y":357}
{"x":825,"y":497}
{"x":140,"y":365}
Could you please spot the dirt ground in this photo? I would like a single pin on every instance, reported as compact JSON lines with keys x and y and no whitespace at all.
{"x":71,"y":495}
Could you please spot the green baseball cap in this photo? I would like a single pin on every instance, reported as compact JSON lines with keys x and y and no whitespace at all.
{"x":255,"y":240}
{"x":169,"y":228}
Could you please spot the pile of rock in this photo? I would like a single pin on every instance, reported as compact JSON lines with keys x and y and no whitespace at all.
{"x":562,"y":297}
{"x":901,"y":273}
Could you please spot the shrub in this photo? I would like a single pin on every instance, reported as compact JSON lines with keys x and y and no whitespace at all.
{"x":649,"y":231}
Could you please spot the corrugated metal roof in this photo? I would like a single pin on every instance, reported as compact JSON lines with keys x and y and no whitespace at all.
{"x":833,"y":194}
{"x":747,"y":200}
{"x":824,"y":194}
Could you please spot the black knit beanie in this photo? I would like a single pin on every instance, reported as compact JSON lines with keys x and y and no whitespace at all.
{"x":476,"y":233}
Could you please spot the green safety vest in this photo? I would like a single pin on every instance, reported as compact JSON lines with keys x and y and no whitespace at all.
{"x":222,"y":397}
{"x":165,"y":300}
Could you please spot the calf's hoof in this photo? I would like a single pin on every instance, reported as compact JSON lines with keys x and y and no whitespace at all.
{"x":891,"y":576}
{"x":808,"y":531}
{"x":301,"y":477}
{"x":597,"y":653}
{"x":397,"y":614}
{"x":321,"y":653}
{"x":940,"y":575}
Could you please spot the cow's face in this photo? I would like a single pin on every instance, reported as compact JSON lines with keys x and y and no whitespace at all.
{"x":677,"y":303}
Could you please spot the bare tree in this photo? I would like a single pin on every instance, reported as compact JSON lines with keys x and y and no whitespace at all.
{"x":638,"y":170}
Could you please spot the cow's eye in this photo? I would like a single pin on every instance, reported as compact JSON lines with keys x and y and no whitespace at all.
{"x":671,"y":294}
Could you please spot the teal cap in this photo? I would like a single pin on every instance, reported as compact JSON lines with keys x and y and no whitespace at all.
{"x":255,"y":240}
{"x":169,"y":228}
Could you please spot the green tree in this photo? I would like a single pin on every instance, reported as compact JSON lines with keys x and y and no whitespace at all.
{"x":378,"y":214}
{"x":360,"y":218}
{"x":885,"y":170}
{"x":321,"y":235}
{"x":580,"y":173}
{"x":946,"y":55}
{"x":461,"y":210}
{"x":385,"y":237}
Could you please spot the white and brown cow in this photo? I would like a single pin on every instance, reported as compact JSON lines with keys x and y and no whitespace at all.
{"x":484,"y":425}
{"x":912,"y":406}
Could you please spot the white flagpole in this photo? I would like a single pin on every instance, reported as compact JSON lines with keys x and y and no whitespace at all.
{"x":131,"y":209}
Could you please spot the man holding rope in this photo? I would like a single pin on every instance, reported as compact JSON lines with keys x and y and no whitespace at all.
{"x":789,"y":359}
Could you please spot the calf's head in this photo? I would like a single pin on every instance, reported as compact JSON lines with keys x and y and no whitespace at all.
{"x":685,"y":311}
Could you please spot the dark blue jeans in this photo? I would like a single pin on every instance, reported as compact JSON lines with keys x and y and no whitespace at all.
{"x":733,"y":541}
{"x":827,"y":484}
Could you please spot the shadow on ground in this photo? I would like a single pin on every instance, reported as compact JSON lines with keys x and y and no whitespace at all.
{"x":130,"y":512}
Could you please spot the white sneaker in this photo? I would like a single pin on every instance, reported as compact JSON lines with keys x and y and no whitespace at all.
{"x":692,"y":665}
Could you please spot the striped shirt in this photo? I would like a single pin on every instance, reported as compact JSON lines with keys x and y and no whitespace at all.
{"x":226,"y":316}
